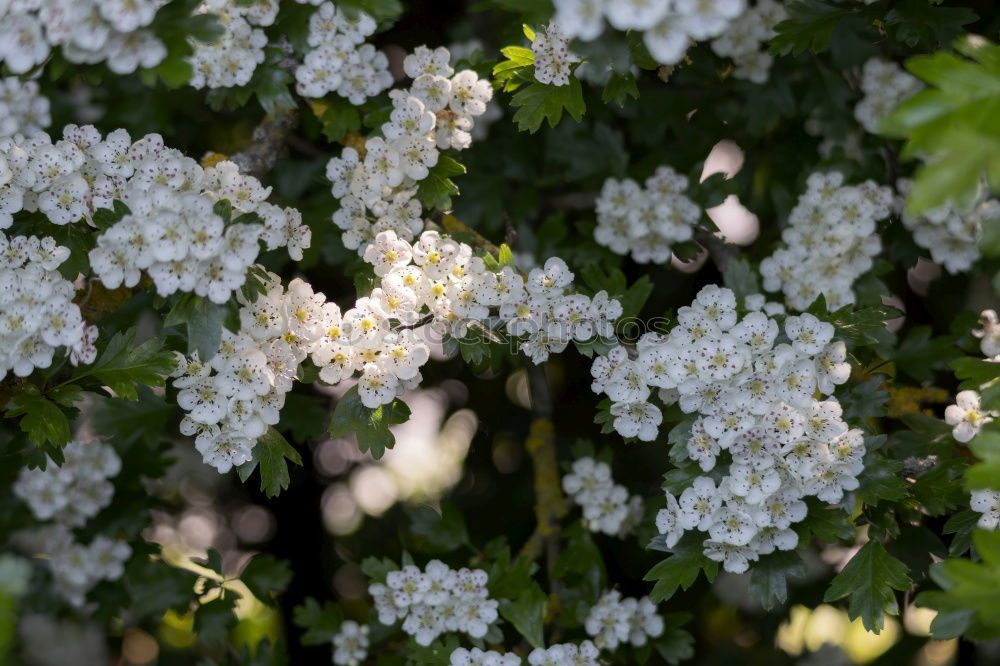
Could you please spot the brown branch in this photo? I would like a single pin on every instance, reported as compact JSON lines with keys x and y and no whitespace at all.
{"x":268,"y":139}
{"x":550,"y":504}
{"x":720,"y":250}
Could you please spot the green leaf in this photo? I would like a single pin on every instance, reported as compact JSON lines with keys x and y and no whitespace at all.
{"x":304,"y":415}
{"x":635,"y":297}
{"x":951,"y":125}
{"x":881,"y":480}
{"x":320,"y":622}
{"x":270,"y":454}
{"x":370,"y":426}
{"x":266,"y":576}
{"x":156,"y":587}
{"x":619,"y":88}
{"x":916,"y":22}
{"x":866,"y":400}
{"x":769,"y":578}
{"x":869,"y":580}
{"x":961,"y":525}
{"x":120,"y":365}
{"x":41,"y":418}
{"x":203,"y":320}
{"x":527,"y":614}
{"x":377,"y":569}
{"x":681,"y":569}
{"x":439,"y":532}
{"x":539,"y":102}
{"x":380,"y":10}
{"x":213,"y":620}
{"x":675,"y":645}
{"x":437,"y":189}
{"x":741,"y":278}
{"x":810,"y":25}
{"x":337,"y":116}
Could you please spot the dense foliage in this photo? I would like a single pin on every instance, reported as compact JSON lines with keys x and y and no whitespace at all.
{"x":557,"y":332}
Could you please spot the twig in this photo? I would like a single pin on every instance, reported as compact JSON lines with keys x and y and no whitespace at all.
{"x":721,"y":251}
{"x":550,"y":505}
{"x":266,"y":142}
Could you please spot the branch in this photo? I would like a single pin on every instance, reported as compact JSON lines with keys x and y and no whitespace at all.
{"x":721,"y":251}
{"x":451,"y":224}
{"x":267,"y":140}
{"x":550,"y":505}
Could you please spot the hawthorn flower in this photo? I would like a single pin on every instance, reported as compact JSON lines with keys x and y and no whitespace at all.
{"x":966,"y":416}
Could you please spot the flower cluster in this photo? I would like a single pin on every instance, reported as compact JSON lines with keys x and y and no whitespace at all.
{"x":350,"y":644}
{"x":22,"y":109}
{"x":171,"y":230}
{"x":436,"y":600}
{"x":950,"y":232}
{"x":78,"y":567}
{"x":646,"y":221}
{"x":377,"y":187}
{"x":232,"y":398}
{"x":37,"y":312}
{"x":668,"y":28}
{"x":70,"y":495}
{"x":753,"y":395}
{"x":987,"y":503}
{"x":743,"y":40}
{"x":606,"y":505}
{"x":829,"y":241}
{"x":340,"y":60}
{"x":231,"y":59}
{"x":441,"y":278}
{"x":552,"y":56}
{"x":614,"y":620}
{"x":74,"y":492}
{"x":565,"y":654}
{"x":884,"y":85}
{"x":477,"y":657}
{"x":89,"y":31}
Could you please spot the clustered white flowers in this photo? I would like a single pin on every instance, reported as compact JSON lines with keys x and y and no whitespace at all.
{"x":37,"y":312}
{"x":89,"y":31}
{"x":744,"y":40}
{"x":350,"y":644}
{"x":171,"y":230}
{"x":987,"y":503}
{"x":74,"y":492}
{"x":884,"y":85}
{"x":552,"y":56}
{"x":646,"y":222}
{"x":476,"y":657}
{"x":377,"y":186}
{"x":753,"y":392}
{"x":231,"y":59}
{"x":441,"y":278}
{"x":562,"y":654}
{"x":829,"y":242}
{"x":232,"y":398}
{"x":340,"y":60}
{"x":69,"y":495}
{"x":668,"y":26}
{"x":22,"y":109}
{"x":436,"y":600}
{"x":606,"y":505}
{"x":614,"y":621}
{"x":950,"y":232}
